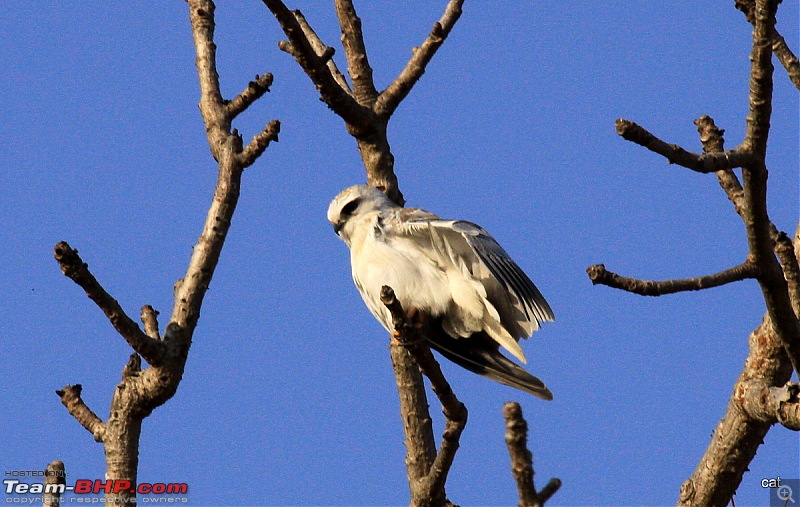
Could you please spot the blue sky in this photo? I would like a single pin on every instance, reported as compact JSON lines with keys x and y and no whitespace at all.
{"x":288,"y":396}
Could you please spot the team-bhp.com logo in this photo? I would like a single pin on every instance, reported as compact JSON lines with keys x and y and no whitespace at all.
{"x":16,"y":488}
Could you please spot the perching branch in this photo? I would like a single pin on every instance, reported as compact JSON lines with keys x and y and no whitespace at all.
{"x":366,"y":115}
{"x":142,"y":390}
{"x":522,"y":460}
{"x":429,"y":483}
{"x":599,"y":275}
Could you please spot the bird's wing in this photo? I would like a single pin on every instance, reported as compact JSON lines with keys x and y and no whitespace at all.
{"x":466,"y":245}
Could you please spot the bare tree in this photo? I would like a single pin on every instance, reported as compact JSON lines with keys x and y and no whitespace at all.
{"x":763,"y":395}
{"x":366,"y":113}
{"x":144,"y":389}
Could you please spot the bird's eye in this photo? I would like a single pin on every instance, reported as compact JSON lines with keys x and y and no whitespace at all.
{"x":350,"y":207}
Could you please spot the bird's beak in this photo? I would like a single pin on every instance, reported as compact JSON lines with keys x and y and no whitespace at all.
{"x":337,"y":227}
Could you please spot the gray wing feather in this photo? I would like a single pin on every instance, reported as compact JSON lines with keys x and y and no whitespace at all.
{"x":505,"y":270}
{"x":464,"y":243}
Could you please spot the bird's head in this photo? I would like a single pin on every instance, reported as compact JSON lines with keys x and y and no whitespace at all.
{"x":353,"y":203}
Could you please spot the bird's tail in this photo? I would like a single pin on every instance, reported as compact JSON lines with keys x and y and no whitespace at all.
{"x":480,"y":354}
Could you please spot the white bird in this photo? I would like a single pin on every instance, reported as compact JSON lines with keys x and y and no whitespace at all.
{"x":474,"y":296}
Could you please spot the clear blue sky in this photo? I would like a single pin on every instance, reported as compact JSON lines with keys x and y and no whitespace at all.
{"x":288,"y":396}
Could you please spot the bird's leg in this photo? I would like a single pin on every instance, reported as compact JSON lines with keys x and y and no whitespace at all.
{"x":416,"y":317}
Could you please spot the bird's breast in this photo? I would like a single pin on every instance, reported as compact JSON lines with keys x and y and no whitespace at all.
{"x":415,"y":278}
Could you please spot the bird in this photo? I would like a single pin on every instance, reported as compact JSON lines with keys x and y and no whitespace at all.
{"x":474,"y":297}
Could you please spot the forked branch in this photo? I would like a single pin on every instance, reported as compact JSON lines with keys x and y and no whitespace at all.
{"x":522,"y":459}
{"x":78,"y":271}
{"x":365,"y":111}
{"x":779,"y":47}
{"x":702,"y":163}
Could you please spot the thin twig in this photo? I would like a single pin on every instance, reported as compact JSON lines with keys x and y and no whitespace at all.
{"x":321,"y":49}
{"x":713,"y":142}
{"x":599,"y":275}
{"x":259,"y":143}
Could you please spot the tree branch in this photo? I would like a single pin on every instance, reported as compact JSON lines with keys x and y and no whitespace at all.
{"x":713,"y":142}
{"x":226,"y":146}
{"x":321,"y":49}
{"x":142,"y":390}
{"x":770,"y":404}
{"x":391,"y":97}
{"x":78,"y":271}
{"x":259,"y":143}
{"x":254,"y":91}
{"x":787,"y":58}
{"x":316,"y":66}
{"x":705,"y":163}
{"x":522,"y":459}
{"x":430,"y":482}
{"x":71,"y":398}
{"x":356,"y":53}
{"x":54,"y":476}
{"x":754,"y":177}
{"x":427,"y":469}
{"x":149,"y":317}
{"x":738,"y":435}
{"x":761,"y":71}
{"x":785,"y":251}
{"x":779,"y":46}
{"x":599,"y":275}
